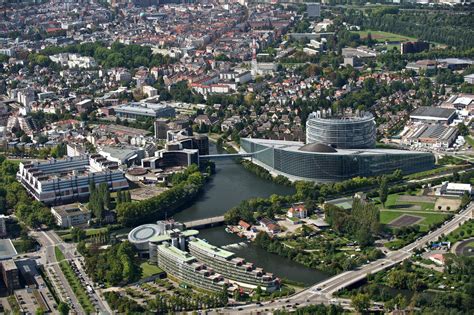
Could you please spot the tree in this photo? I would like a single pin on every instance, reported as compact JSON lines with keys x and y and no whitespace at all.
{"x":361,"y":302}
{"x":383,"y":190}
{"x":463,"y":129}
{"x":63,"y":308}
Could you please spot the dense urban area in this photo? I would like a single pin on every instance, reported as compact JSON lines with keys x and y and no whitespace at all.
{"x":236,"y":157}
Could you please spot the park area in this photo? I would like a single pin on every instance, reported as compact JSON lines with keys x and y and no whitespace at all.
{"x":409,"y":209}
{"x":383,"y":37}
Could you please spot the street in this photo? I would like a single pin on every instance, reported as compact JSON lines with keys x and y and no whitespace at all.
{"x":322,"y":292}
{"x":49,"y":240}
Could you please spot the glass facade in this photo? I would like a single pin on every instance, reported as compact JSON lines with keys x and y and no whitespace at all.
{"x":338,"y":166}
{"x":344,"y":133}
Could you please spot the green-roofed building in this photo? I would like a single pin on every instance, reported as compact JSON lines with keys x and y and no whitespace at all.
{"x":185,"y":267}
{"x":237,"y":270}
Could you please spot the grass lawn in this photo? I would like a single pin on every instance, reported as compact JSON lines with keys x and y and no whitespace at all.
{"x":463,"y":232}
{"x":149,"y":270}
{"x":429,"y":218}
{"x":385,"y":36}
{"x":67,"y":237}
{"x":469,"y":140}
{"x":393,"y":203}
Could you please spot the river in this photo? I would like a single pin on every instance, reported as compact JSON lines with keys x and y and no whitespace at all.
{"x":232,"y":184}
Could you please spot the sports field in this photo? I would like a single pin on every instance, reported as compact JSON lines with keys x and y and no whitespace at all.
{"x":405,"y":210}
{"x":385,"y":36}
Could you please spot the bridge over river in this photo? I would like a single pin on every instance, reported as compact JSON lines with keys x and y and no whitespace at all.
{"x":207,"y":222}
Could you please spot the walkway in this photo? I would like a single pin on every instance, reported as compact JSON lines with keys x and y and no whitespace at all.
{"x":204,"y":222}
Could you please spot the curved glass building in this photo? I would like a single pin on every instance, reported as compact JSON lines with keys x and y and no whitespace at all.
{"x":344,"y":132}
{"x":323,"y":163}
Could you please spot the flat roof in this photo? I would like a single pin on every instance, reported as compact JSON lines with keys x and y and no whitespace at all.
{"x":212,"y":249}
{"x":433,"y":112}
{"x":70,"y":209}
{"x":185,"y":233}
{"x":296,"y":145}
{"x":459,"y":186}
{"x":7,"y":250}
{"x":177,"y":253}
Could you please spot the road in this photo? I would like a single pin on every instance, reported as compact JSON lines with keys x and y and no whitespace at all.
{"x":69,"y":251}
{"x":49,"y":261}
{"x":321,"y":293}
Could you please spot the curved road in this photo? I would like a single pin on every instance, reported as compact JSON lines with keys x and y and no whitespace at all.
{"x":322,"y":292}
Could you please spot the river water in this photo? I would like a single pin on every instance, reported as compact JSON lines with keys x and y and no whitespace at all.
{"x":228,"y":187}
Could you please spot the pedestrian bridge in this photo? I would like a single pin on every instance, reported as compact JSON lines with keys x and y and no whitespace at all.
{"x":231,"y":155}
{"x":205,"y":222}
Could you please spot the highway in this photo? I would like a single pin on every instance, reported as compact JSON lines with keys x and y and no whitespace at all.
{"x":322,"y":292}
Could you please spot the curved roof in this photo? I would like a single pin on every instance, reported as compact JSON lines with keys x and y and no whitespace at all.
{"x":143,"y":233}
{"x":317,"y":147}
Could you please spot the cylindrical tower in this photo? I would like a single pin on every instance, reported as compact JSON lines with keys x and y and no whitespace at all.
{"x":343,"y":132}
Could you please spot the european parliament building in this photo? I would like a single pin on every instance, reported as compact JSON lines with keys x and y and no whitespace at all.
{"x":338,"y":148}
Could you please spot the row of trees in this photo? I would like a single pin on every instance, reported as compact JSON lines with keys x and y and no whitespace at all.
{"x":158,"y":207}
{"x":99,"y":199}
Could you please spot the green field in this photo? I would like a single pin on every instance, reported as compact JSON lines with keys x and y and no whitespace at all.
{"x":380,"y":36}
{"x":429,"y":218}
{"x":149,"y":270}
{"x":395,"y":208}
{"x":67,"y":236}
{"x":393,"y":203}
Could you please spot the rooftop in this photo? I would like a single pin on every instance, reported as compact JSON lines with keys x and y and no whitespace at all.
{"x":70,"y":209}
{"x":295,"y":146}
{"x":177,"y":253}
{"x":436,"y":112}
{"x":7,"y":250}
{"x":212,"y":249}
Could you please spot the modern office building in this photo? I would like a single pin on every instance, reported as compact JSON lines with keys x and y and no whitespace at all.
{"x":144,"y":110}
{"x":71,"y":215}
{"x":185,"y":267}
{"x":323,"y":163}
{"x":355,"y":131}
{"x":189,"y":141}
{"x":237,"y":270}
{"x":146,"y":237}
{"x":64,"y":181}
{"x":181,"y":254}
{"x":10,"y":275}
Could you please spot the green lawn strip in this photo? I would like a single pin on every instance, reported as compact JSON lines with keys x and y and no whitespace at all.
{"x":469,"y":140}
{"x":381,"y":36}
{"x":435,"y":171}
{"x":74,"y":282}
{"x":89,"y":233}
{"x":466,"y":229}
{"x":149,"y":270}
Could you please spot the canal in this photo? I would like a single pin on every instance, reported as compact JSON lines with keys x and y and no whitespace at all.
{"x":229,"y":186}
